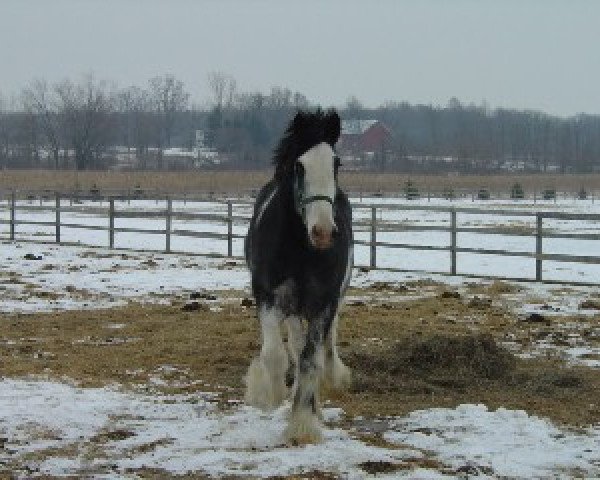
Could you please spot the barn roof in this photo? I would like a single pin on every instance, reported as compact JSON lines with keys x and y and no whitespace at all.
{"x":356,"y":127}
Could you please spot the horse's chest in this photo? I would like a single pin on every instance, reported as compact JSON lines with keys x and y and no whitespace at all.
{"x":302,"y":295}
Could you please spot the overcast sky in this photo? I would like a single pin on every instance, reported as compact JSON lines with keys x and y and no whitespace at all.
{"x":534,"y":54}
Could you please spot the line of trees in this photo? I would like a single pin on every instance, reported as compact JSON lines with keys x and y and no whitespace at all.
{"x":478,"y":138}
{"x":83,"y":124}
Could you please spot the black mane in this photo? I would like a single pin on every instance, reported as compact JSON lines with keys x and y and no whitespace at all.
{"x":306,"y":130}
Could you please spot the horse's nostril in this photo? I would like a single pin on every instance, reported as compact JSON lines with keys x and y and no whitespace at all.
{"x":321,"y":236}
{"x":319,"y":232}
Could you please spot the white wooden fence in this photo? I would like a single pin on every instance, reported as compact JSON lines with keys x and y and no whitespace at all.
{"x":371,"y":225}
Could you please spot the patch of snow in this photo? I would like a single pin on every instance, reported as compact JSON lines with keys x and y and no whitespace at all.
{"x":176,"y":433}
{"x":509,"y":443}
{"x":187,"y":433}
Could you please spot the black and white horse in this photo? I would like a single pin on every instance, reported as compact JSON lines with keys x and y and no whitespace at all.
{"x":300,"y":254}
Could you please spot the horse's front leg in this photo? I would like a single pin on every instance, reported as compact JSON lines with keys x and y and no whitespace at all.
{"x":296,"y":339}
{"x":303,"y":426}
{"x":337,"y":375}
{"x":265,"y":381}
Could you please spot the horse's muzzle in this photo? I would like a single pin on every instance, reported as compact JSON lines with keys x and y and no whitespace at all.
{"x":321,"y":237}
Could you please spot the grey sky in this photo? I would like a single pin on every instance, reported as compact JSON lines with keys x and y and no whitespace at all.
{"x":538,"y":54}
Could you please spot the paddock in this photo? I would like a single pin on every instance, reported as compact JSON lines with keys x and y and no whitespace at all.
{"x":164,"y":341}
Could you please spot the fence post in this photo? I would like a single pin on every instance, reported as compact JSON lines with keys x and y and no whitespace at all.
{"x":57,"y":217}
{"x":111,"y":223}
{"x":373,"y":263}
{"x":452,"y":242}
{"x":229,"y":228}
{"x":168,"y":225}
{"x":538,"y":247}
{"x":13,"y":206}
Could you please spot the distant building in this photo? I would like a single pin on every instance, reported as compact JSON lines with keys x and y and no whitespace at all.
{"x":364,"y":136}
{"x":364,"y":143}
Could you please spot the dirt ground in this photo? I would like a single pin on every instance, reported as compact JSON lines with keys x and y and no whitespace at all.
{"x":245,"y":181}
{"x":407,"y":351}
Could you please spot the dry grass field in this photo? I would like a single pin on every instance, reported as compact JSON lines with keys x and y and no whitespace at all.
{"x":406,"y":354}
{"x":232,"y":182}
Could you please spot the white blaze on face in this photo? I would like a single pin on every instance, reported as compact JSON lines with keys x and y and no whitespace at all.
{"x":319,"y":179}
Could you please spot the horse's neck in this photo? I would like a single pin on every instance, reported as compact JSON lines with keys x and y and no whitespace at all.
{"x":278,"y":206}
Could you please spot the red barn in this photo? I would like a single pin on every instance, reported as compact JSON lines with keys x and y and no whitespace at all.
{"x":362,"y":136}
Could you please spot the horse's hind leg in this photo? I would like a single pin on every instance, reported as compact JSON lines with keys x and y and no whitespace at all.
{"x":265,"y":380}
{"x":337,"y":375}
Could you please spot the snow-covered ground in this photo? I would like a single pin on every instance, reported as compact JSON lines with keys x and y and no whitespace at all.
{"x":57,"y":428}
{"x":36,"y":277}
{"x":73,"y":430}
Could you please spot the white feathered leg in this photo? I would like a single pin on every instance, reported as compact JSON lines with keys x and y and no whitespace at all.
{"x":296,"y":337}
{"x":265,"y":380}
{"x":337,"y":375}
{"x":303,"y":423}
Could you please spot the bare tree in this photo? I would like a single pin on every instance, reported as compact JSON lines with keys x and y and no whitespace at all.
{"x":354,"y":108}
{"x":135,"y":106}
{"x":223,"y":89}
{"x":41,"y":102}
{"x":280,"y":97}
{"x":217,"y":83}
{"x":168,"y":98}
{"x":86,"y":112}
{"x":300,"y":101}
{"x":3,"y":132}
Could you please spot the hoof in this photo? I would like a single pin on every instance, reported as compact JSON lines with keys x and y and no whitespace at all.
{"x":261,"y":390}
{"x":303,"y":428}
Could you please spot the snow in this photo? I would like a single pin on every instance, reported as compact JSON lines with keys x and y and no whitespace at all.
{"x":83,"y":277}
{"x":511,"y":443}
{"x":187,"y":433}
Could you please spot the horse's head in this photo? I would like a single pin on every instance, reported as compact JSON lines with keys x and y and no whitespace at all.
{"x":306,"y":157}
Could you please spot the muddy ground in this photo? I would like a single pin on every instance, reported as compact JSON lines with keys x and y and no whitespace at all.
{"x":410,"y":346}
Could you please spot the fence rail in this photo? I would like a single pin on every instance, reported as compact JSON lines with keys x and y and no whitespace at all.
{"x":369,"y":223}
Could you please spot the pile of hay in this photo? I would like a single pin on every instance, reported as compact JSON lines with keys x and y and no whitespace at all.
{"x":454,"y":362}
{"x":477,"y":355}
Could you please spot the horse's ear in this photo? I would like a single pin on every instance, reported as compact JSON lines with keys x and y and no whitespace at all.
{"x":298,"y":121}
{"x":332,"y":127}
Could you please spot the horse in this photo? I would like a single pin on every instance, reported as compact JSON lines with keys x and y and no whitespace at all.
{"x":299,"y":250}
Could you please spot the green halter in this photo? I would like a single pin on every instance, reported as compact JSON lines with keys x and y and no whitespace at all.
{"x":300,"y":199}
